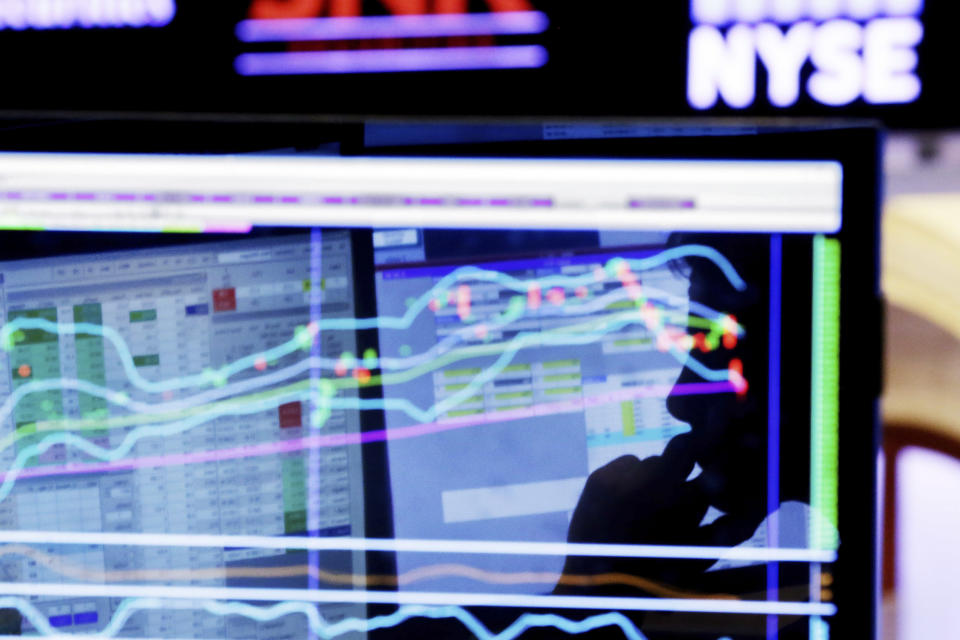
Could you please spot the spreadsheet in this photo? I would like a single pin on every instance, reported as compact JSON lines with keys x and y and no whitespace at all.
{"x":139,"y":334}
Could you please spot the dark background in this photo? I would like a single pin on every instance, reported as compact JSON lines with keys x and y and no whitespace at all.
{"x":607,"y":59}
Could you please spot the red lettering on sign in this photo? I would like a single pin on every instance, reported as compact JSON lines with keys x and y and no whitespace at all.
{"x":278,"y":9}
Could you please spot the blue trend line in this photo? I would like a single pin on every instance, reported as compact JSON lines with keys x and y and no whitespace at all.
{"x":304,"y":338}
{"x":326,"y":402}
{"x":328,"y":631}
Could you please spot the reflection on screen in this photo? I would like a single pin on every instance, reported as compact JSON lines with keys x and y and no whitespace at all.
{"x":173,"y":392}
{"x":479,"y":434}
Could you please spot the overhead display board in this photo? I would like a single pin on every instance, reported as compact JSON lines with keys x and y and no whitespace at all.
{"x":885,"y":59}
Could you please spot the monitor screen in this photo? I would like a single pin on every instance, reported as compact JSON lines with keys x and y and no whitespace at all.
{"x":512,"y":396}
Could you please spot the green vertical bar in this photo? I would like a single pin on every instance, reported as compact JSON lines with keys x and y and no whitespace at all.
{"x":824,"y":399}
{"x":294,"y":473}
{"x":629,"y":422}
{"x":90,"y":361}
{"x":35,"y":356}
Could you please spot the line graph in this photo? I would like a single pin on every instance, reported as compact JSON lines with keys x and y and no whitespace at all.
{"x":488,"y":339}
{"x":342,"y":596}
{"x":328,"y":630}
{"x":78,"y":571}
{"x":181,"y":416}
{"x":564,"y":336}
{"x":397,"y":433}
{"x":301,"y":341}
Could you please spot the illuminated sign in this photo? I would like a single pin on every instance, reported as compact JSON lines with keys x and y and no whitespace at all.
{"x":84,"y":14}
{"x":833,"y":51}
{"x":335,"y":37}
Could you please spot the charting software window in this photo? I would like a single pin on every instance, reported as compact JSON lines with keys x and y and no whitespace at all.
{"x":424,"y":398}
{"x":108,"y":352}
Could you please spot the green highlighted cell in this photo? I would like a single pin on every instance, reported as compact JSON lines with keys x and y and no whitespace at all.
{"x":455,"y":387}
{"x":514,"y":395}
{"x":628,"y":418}
{"x":25,"y":337}
{"x":464,"y":412}
{"x":150,"y":360}
{"x":561,"y":364}
{"x":36,"y":353}
{"x":143,"y":315}
{"x":563,"y":391}
{"x":460,"y":373}
{"x":562,"y":377}
{"x":294,"y":474}
{"x":515,"y":368}
{"x":635,"y":342}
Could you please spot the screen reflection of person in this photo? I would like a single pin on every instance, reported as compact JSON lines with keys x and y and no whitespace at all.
{"x":720,"y":463}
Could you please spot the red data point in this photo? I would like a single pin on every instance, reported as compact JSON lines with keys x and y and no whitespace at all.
{"x":730,"y":340}
{"x":362,"y":375}
{"x":736,"y":377}
{"x":463,"y":301}
{"x":534,"y":297}
{"x":556,"y":296}
{"x":700,"y":341}
{"x":581,"y":292}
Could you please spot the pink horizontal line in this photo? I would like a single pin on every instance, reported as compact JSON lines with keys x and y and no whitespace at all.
{"x":397,"y":433}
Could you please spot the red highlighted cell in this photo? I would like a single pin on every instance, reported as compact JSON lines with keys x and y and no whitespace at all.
{"x":224,"y":300}
{"x":290,"y":415}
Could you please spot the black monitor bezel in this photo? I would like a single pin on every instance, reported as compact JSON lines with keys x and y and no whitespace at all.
{"x":857,"y":149}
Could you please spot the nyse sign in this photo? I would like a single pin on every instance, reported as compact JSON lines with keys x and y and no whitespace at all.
{"x":836,"y":51}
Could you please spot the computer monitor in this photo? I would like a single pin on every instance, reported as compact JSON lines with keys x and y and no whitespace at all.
{"x":496,"y":391}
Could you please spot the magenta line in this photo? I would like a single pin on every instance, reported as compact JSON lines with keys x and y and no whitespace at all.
{"x":240,"y":227}
{"x":397,"y":433}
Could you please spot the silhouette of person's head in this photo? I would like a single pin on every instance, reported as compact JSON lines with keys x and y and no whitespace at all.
{"x":728,"y":434}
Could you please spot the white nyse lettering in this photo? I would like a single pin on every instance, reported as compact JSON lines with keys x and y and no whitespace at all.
{"x":838,"y":79}
{"x":711,"y":11}
{"x":864,"y":9}
{"x":825,"y":9}
{"x":903,"y":7}
{"x":890,"y":60}
{"x":750,"y":10}
{"x":788,"y":11}
{"x":721,"y":66}
{"x":783,"y":54}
